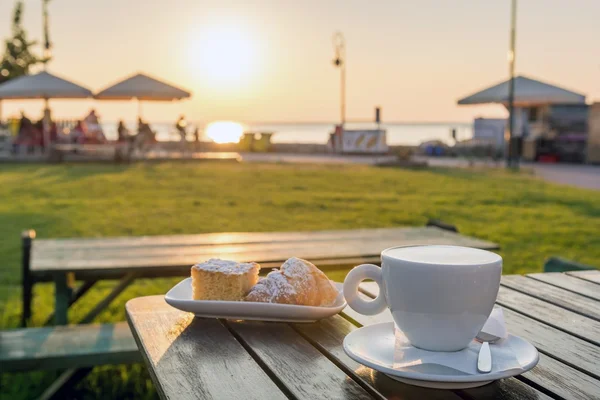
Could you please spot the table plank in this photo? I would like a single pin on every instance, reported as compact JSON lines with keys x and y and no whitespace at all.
{"x":302,"y":369}
{"x":575,"y":285}
{"x":554,"y":295}
{"x":329,"y":334}
{"x":251,"y":237}
{"x":79,"y":255}
{"x":561,"y":379}
{"x":192,"y":357}
{"x":568,"y":349}
{"x":558,"y":317}
{"x":592,"y":276}
{"x":369,"y":246}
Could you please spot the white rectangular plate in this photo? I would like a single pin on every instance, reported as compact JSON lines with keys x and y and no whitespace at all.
{"x":180,"y":297}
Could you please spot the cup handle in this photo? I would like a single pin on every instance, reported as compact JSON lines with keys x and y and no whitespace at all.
{"x":353,"y":279}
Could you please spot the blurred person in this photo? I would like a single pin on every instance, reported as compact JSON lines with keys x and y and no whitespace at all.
{"x":180,"y":125}
{"x":77,"y":134}
{"x":24,"y":120}
{"x":94,"y":133}
{"x":144,"y":137}
{"x":122,"y":132}
{"x":25,"y":135}
{"x":197,"y":138}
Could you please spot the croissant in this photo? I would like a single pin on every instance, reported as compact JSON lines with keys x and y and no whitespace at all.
{"x":296,"y":282}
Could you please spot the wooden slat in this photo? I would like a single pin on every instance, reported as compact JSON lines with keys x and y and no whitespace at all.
{"x":505,"y":389}
{"x":314,"y":251}
{"x":249,"y":238}
{"x":575,"y":285}
{"x":592,"y":276}
{"x":302,"y":369}
{"x":74,"y":258}
{"x":558,"y":317}
{"x":369,"y":245}
{"x":343,"y":248}
{"x":551,"y":294}
{"x":561,"y":379}
{"x":191,"y":358}
{"x":184,"y":270}
{"x":66,"y":347}
{"x":568,"y":349}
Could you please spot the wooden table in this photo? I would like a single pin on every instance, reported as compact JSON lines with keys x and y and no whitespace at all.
{"x":128,"y":258}
{"x":196,"y":358}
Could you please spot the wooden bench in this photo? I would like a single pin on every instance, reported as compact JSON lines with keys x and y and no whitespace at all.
{"x":559,"y":264}
{"x":76,"y":349}
{"x":128,"y":258}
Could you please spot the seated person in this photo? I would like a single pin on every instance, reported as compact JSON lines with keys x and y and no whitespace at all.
{"x":145,"y":130}
{"x":94,"y":133}
{"x":78,"y":133}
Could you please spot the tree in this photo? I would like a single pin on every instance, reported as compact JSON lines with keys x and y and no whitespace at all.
{"x":18,"y":57}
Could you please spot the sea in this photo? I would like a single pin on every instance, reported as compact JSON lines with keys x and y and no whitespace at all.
{"x":397,"y":133}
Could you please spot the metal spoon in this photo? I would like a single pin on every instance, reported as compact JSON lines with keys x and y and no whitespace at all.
{"x":484,"y":360}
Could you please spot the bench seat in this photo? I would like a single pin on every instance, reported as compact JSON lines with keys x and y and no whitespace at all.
{"x":67,"y":347}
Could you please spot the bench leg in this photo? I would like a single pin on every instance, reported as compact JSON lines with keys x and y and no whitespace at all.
{"x":27,"y":281}
{"x":62,"y":295}
{"x":64,"y":383}
{"x":76,"y":295}
{"x":122,"y":285}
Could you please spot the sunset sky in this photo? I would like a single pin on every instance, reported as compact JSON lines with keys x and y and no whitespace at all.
{"x":270,"y":60}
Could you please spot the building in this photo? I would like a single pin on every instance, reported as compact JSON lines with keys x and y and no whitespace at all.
{"x":593,"y":139}
{"x":550,"y":122}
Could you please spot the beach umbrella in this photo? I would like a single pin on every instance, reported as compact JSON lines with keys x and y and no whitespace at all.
{"x":42,"y":85}
{"x":142,"y":88}
{"x":528,"y":92}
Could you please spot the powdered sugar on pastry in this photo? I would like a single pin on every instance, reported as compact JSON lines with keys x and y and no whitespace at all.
{"x":296,"y":282}
{"x":311,"y":284}
{"x":299,"y":274}
{"x":273,"y":289}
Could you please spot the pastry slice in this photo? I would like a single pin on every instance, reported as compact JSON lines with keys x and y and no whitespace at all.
{"x":223,"y":280}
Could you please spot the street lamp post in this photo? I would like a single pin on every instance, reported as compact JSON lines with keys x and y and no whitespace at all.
{"x":47,"y":43}
{"x":47,"y":55}
{"x":339,"y":45}
{"x":512,"y":159}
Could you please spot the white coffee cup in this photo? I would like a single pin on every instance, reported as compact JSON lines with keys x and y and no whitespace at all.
{"x":439,"y":296}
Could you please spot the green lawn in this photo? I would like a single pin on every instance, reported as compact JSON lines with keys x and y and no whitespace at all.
{"x":529,"y":218}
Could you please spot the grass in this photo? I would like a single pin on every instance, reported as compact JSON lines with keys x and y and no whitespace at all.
{"x":529,"y":218}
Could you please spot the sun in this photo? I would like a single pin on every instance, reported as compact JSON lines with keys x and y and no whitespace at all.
{"x":223,"y":55}
{"x":224,"y":131}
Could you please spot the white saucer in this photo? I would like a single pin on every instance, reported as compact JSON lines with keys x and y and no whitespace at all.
{"x":180,"y":297}
{"x":373,"y":346}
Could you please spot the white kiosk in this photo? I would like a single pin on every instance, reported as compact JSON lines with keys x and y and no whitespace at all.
{"x":360,"y":141}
